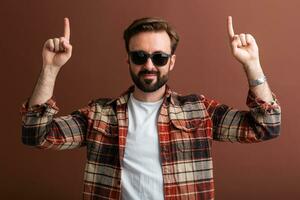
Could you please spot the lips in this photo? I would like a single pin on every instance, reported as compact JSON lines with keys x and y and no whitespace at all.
{"x":149,"y":75}
{"x":146,"y":74}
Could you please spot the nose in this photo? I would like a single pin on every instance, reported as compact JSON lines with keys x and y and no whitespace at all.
{"x":149,"y":65}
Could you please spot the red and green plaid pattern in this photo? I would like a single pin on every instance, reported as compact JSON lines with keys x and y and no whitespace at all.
{"x":186,"y":127}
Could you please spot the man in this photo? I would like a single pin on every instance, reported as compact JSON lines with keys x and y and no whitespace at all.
{"x":150,"y":143}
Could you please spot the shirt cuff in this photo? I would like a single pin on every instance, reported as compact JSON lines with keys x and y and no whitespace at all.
{"x":40,"y":109}
{"x":255,"y":102}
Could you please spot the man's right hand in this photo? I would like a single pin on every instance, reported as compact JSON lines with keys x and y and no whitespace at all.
{"x":57,"y":51}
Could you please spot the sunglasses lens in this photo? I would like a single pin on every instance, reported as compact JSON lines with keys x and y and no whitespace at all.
{"x":160,"y":59}
{"x":138,"y":57}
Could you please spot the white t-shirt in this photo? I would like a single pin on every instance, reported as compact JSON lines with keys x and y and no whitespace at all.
{"x":142,"y":173}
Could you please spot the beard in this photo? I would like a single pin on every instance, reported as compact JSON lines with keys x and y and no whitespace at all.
{"x":146,"y":84}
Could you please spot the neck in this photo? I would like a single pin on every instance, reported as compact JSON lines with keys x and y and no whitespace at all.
{"x":149,"y":96}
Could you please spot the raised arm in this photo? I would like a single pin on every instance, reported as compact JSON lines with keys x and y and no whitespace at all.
{"x":56,"y":52}
{"x":263,"y":119}
{"x":245,"y":50}
{"x":40,"y":127}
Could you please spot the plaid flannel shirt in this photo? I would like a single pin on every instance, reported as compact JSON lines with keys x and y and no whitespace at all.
{"x":186,"y":127}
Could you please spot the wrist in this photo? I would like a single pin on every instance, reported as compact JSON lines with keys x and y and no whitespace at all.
{"x":254,"y":70}
{"x":49,"y":71}
{"x":252,"y":65}
{"x":256,"y":82}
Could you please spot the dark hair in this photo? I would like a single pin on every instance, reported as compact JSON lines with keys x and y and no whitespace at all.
{"x":150,"y":24}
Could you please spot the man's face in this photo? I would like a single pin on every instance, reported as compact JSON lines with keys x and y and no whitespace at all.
{"x":148,"y":77}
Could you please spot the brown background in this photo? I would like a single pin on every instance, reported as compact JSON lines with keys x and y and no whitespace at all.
{"x":268,"y":170}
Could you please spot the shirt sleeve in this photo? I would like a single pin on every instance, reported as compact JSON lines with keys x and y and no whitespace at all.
{"x":261,"y":122}
{"x":40,"y":127}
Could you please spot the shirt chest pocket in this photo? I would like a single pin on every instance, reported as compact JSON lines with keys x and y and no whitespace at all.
{"x":190,"y":139}
{"x":192,"y":128}
{"x":102,"y":143}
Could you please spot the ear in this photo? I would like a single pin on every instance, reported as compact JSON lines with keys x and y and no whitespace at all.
{"x":172,"y":62}
{"x":127,"y":59}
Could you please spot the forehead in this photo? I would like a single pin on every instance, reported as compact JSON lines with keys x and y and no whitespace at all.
{"x":150,"y":42}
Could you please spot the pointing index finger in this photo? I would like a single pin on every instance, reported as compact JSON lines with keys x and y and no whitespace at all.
{"x":67,"y":28}
{"x":230,"y":27}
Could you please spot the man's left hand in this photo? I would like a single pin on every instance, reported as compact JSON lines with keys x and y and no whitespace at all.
{"x":243,"y":46}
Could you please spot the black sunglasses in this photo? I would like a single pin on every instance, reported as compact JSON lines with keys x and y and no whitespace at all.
{"x":158,"y":58}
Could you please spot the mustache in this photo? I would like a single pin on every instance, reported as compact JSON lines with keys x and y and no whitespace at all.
{"x":148,"y":72}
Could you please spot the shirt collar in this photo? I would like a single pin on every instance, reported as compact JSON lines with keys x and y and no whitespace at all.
{"x":124,"y":97}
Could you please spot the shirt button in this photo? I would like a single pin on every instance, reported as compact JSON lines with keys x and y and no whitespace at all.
{"x":164,"y":149}
{"x":167,"y":158}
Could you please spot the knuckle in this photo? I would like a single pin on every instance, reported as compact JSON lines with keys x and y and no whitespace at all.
{"x":56,"y":40}
{"x":48,"y":42}
{"x":62,"y":39}
{"x":251,"y":36}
